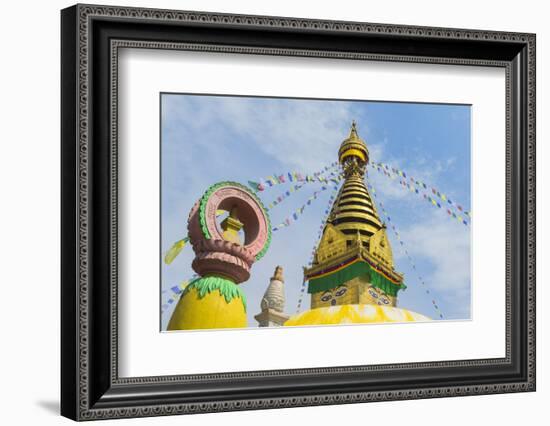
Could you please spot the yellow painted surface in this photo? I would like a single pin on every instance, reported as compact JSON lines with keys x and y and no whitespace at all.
{"x":380,"y":248}
{"x":332,"y":244}
{"x":342,"y":295}
{"x":368,"y":294}
{"x":356,"y":152}
{"x":354,"y":314}
{"x":212,"y":311}
{"x":359,"y":291}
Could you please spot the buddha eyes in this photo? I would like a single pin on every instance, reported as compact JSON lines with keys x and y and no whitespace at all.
{"x":326,"y":297}
{"x":340,"y":291}
{"x":331,"y":295}
{"x":383,"y":300}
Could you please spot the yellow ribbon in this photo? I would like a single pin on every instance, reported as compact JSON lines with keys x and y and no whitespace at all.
{"x":174,"y":251}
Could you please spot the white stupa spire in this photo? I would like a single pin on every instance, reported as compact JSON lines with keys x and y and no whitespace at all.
{"x":273,"y":302}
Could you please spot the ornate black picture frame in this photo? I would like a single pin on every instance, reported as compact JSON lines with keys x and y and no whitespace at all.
{"x":91,"y":387}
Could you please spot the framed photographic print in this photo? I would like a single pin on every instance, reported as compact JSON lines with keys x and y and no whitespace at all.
{"x":263,"y":212}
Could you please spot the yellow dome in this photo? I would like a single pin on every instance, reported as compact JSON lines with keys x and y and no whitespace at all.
{"x":354,"y":314}
{"x":212,"y":310}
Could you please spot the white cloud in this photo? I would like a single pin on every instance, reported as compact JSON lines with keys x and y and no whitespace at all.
{"x":445,"y":244}
{"x":302,"y":135}
{"x":440,"y":245}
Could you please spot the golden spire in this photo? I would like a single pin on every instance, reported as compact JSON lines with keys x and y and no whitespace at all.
{"x":353,"y":256}
{"x":354,"y":211}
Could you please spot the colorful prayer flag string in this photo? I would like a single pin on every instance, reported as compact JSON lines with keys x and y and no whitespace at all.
{"x":294,"y":216}
{"x":175,"y":292}
{"x":434,"y":202}
{"x":319,"y":235}
{"x":404,"y":249}
{"x":418,"y":187}
{"x":332,"y":177}
{"x":277,"y":179}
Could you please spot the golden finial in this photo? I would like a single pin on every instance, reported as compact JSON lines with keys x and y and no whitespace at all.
{"x":353,"y":147}
{"x":231,"y":226}
{"x":353,"y":130}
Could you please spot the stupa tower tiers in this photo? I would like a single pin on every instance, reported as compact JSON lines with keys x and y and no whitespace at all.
{"x":354,"y":211}
{"x":353,"y":263}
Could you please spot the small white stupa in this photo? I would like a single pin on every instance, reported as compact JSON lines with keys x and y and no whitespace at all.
{"x":273,"y":302}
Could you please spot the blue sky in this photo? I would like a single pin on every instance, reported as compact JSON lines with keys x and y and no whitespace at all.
{"x":207,"y":139}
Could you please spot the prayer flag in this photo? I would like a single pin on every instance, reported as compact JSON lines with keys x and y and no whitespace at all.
{"x":254,"y":185}
{"x":175,"y":250}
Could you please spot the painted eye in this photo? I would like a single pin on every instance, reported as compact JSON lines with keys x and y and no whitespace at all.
{"x":341,"y":291}
{"x":385,"y":301}
{"x":373,"y":293}
{"x":326,"y":297}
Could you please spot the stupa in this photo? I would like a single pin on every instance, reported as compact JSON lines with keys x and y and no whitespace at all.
{"x":352,"y":278}
{"x":273,"y":302}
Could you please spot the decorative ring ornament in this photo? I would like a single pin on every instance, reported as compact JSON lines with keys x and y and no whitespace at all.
{"x":214,"y":254}
{"x":252,"y":213}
